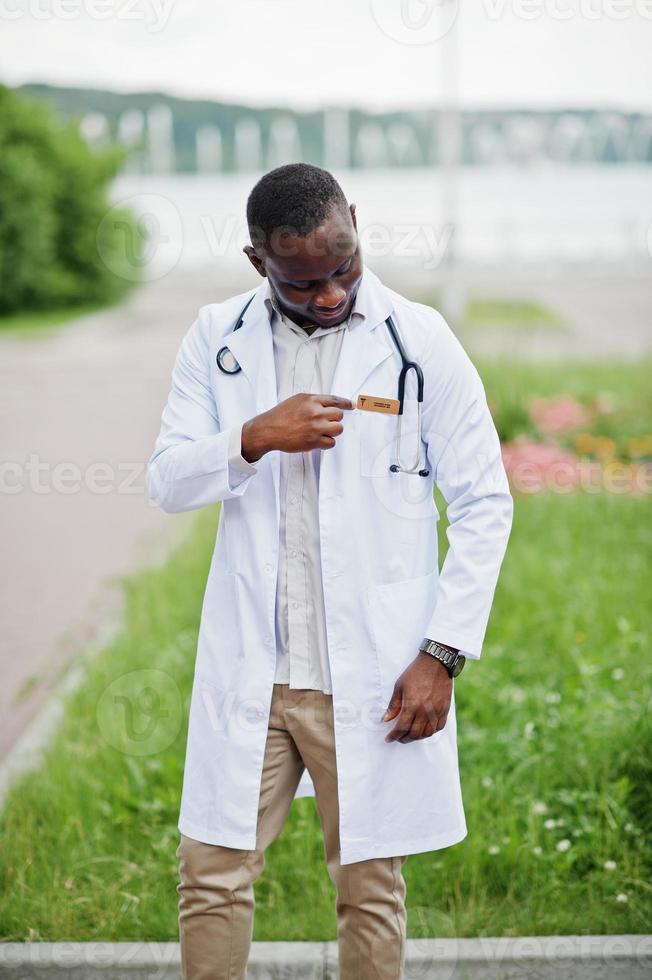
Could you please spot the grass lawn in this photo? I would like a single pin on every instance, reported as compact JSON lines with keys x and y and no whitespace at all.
{"x":36,"y":324}
{"x":555,"y":734}
{"x":513,"y":314}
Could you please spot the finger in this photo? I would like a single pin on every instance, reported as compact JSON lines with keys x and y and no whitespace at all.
{"x":402,"y":726}
{"x":331,"y":414}
{"x":432,"y":715}
{"x":416,"y":730}
{"x":329,"y":428}
{"x":336,"y":401}
{"x":393,"y":706}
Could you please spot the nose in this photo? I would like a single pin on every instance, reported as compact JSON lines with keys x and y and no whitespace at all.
{"x":330,"y":298}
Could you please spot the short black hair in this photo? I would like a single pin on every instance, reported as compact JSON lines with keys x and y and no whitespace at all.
{"x":296,"y":197}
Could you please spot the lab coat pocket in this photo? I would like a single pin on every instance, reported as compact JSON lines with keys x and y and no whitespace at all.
{"x":377,"y":433}
{"x":400,"y":612}
{"x":404,"y":495}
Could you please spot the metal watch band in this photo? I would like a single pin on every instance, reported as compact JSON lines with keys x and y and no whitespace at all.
{"x":452,"y":659}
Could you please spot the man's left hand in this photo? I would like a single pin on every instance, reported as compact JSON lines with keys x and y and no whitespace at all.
{"x":421,"y":699}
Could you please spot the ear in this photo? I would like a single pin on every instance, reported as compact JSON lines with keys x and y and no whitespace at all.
{"x":353,"y":217}
{"x":257,"y":262}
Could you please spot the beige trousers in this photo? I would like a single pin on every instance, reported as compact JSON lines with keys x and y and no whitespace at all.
{"x":216,"y":907}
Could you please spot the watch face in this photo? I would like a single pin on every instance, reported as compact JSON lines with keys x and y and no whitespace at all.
{"x":457,"y":669}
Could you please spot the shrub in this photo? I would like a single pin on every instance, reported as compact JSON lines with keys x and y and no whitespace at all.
{"x":53,"y":196}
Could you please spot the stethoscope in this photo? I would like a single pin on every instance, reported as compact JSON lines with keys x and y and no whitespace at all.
{"x":227,"y":363}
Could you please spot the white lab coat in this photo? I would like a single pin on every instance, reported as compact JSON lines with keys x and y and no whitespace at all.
{"x":382,"y":589}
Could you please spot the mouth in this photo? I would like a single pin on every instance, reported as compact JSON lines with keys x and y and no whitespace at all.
{"x":334,"y":313}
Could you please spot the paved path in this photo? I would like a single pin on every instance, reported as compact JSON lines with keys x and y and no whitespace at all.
{"x":94,"y":392}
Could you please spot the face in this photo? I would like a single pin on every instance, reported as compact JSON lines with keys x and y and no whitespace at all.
{"x":316,"y":277}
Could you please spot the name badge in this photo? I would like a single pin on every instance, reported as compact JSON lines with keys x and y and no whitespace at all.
{"x":371,"y":403}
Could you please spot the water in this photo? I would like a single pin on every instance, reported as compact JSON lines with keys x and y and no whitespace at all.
{"x":503,"y":217}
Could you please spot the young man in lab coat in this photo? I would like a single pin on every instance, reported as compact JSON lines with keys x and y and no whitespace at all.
{"x":329,"y":640}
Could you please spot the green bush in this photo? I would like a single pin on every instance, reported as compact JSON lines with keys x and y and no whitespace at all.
{"x":53,"y":197}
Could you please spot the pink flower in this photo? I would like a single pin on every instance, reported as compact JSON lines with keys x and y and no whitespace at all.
{"x":559,"y":414}
{"x":536,"y":466}
{"x":533,"y":467}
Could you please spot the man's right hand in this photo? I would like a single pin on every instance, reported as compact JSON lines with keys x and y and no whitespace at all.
{"x":296,"y":425}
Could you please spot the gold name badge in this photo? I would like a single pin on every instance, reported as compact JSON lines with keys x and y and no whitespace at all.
{"x":371,"y":403}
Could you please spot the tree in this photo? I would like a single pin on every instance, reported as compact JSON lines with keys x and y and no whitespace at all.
{"x":53,"y":196}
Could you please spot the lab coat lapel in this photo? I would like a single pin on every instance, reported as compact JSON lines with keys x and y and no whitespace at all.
{"x":364,"y":346}
{"x":253,"y":348}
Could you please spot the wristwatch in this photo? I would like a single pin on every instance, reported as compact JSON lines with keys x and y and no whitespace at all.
{"x":451,"y":658}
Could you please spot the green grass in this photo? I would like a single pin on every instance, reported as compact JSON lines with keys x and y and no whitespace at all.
{"x":556,"y":715}
{"x":88,"y":840}
{"x":35,"y":324}
{"x":519,"y":314}
{"x":42,"y":320}
{"x":483,"y":312}
{"x":509,"y":386}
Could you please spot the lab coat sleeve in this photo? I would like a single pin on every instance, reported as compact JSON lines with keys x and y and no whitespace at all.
{"x":194,"y":463}
{"x":465,"y":456}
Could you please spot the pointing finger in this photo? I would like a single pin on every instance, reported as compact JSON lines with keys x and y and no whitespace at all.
{"x":335,"y":400}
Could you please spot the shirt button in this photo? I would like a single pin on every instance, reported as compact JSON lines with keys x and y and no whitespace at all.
{"x":268,"y":567}
{"x":293,"y":500}
{"x":295,"y":605}
{"x":293,"y":554}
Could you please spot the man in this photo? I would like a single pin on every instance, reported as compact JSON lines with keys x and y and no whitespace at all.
{"x":324,"y":582}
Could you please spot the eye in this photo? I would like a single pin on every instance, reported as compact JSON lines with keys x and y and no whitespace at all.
{"x":345,"y":268}
{"x":302,"y":285}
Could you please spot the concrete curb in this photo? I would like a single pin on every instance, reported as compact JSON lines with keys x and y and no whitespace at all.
{"x":520,"y":958}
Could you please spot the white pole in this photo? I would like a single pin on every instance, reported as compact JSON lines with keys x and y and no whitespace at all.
{"x":453,"y":299}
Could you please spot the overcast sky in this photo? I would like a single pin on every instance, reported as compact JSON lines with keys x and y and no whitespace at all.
{"x":376,"y":53}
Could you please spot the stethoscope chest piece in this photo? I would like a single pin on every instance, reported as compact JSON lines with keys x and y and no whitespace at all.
{"x":226,"y":362}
